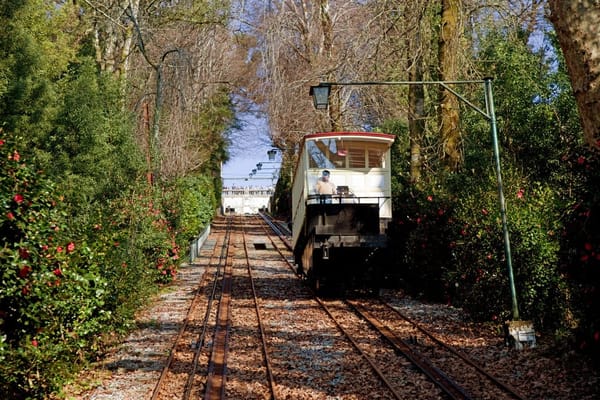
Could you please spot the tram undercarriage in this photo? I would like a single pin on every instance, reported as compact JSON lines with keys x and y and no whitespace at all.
{"x":343,"y":247}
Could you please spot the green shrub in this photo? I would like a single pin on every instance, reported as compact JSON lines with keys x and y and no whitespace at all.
{"x":421,"y":234}
{"x":53,"y":292}
{"x":189,"y":205}
{"x":479,"y":278}
{"x":68,"y":279}
{"x":580,"y":252}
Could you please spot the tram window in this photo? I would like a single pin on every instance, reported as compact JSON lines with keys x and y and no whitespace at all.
{"x":316,"y":156}
{"x":375,"y":158}
{"x":331,"y":154}
{"x":322,"y":154}
{"x":356,"y":157}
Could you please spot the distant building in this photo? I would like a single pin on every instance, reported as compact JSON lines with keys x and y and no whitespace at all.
{"x":246,"y":200}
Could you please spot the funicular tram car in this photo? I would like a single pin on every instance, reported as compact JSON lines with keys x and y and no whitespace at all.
{"x":340,"y":239}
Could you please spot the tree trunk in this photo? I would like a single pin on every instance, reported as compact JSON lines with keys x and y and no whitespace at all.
{"x":449,"y":45}
{"x":113,"y":36}
{"x":326,"y":50}
{"x":576,"y":24}
{"x":416,"y":107}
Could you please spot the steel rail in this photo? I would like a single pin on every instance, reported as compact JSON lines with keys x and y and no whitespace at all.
{"x":217,"y":369}
{"x":202,"y":336}
{"x":354,"y":343}
{"x":180,"y":333}
{"x":277,"y":229}
{"x":260,"y":323}
{"x":509,"y":389}
{"x":450,"y":387}
{"x":374,"y":367}
{"x":434,"y":372}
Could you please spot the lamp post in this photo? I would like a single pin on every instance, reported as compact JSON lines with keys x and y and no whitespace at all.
{"x":260,"y":164}
{"x":320,"y":95}
{"x":245,"y":178}
{"x":271,"y":153}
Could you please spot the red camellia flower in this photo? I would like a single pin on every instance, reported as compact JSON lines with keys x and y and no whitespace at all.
{"x":588,"y":246}
{"x":57,"y":272}
{"x":70,"y":247}
{"x":2,"y":142}
{"x":430,"y":198}
{"x":34,"y":343}
{"x":24,"y":271}
{"x":18,"y":198}
{"x":23,"y":253}
{"x":581,"y":160}
{"x":520,"y":193}
{"x":10,"y":216}
{"x":16,"y":156}
{"x":59,"y":249}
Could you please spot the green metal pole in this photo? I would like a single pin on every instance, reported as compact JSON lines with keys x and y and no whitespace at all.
{"x":489,"y":101}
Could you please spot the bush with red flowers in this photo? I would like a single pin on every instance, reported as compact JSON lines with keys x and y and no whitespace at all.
{"x":53,"y":292}
{"x":580,"y":252}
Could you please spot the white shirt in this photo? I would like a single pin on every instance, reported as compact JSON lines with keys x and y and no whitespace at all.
{"x":325,"y":187}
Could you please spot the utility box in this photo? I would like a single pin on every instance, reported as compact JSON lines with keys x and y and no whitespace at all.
{"x":520,"y":334}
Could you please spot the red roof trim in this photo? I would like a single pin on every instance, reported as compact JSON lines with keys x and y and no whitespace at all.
{"x":343,"y":134}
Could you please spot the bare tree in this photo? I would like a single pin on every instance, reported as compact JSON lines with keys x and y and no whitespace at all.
{"x":180,"y":80}
{"x":305,"y":42}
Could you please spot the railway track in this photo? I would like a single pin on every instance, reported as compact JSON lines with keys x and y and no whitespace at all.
{"x":254,"y":331}
{"x":179,"y":374}
{"x":477,"y":383}
{"x":242,"y":323}
{"x":456,"y":374}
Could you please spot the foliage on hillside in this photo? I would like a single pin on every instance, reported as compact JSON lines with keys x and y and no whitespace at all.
{"x":85,"y":240}
{"x":449,"y":226}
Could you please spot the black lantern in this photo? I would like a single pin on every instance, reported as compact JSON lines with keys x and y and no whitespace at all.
{"x":271,"y":153}
{"x":320,"y":95}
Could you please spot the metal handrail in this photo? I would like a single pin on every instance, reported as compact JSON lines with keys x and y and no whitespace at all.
{"x":345,"y":199}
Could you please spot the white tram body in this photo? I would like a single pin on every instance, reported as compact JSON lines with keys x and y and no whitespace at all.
{"x":338,"y":235}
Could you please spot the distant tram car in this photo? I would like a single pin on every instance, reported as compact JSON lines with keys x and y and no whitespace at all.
{"x":340,"y":221}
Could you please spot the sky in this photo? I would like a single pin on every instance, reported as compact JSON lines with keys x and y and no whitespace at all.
{"x":249,"y":147}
